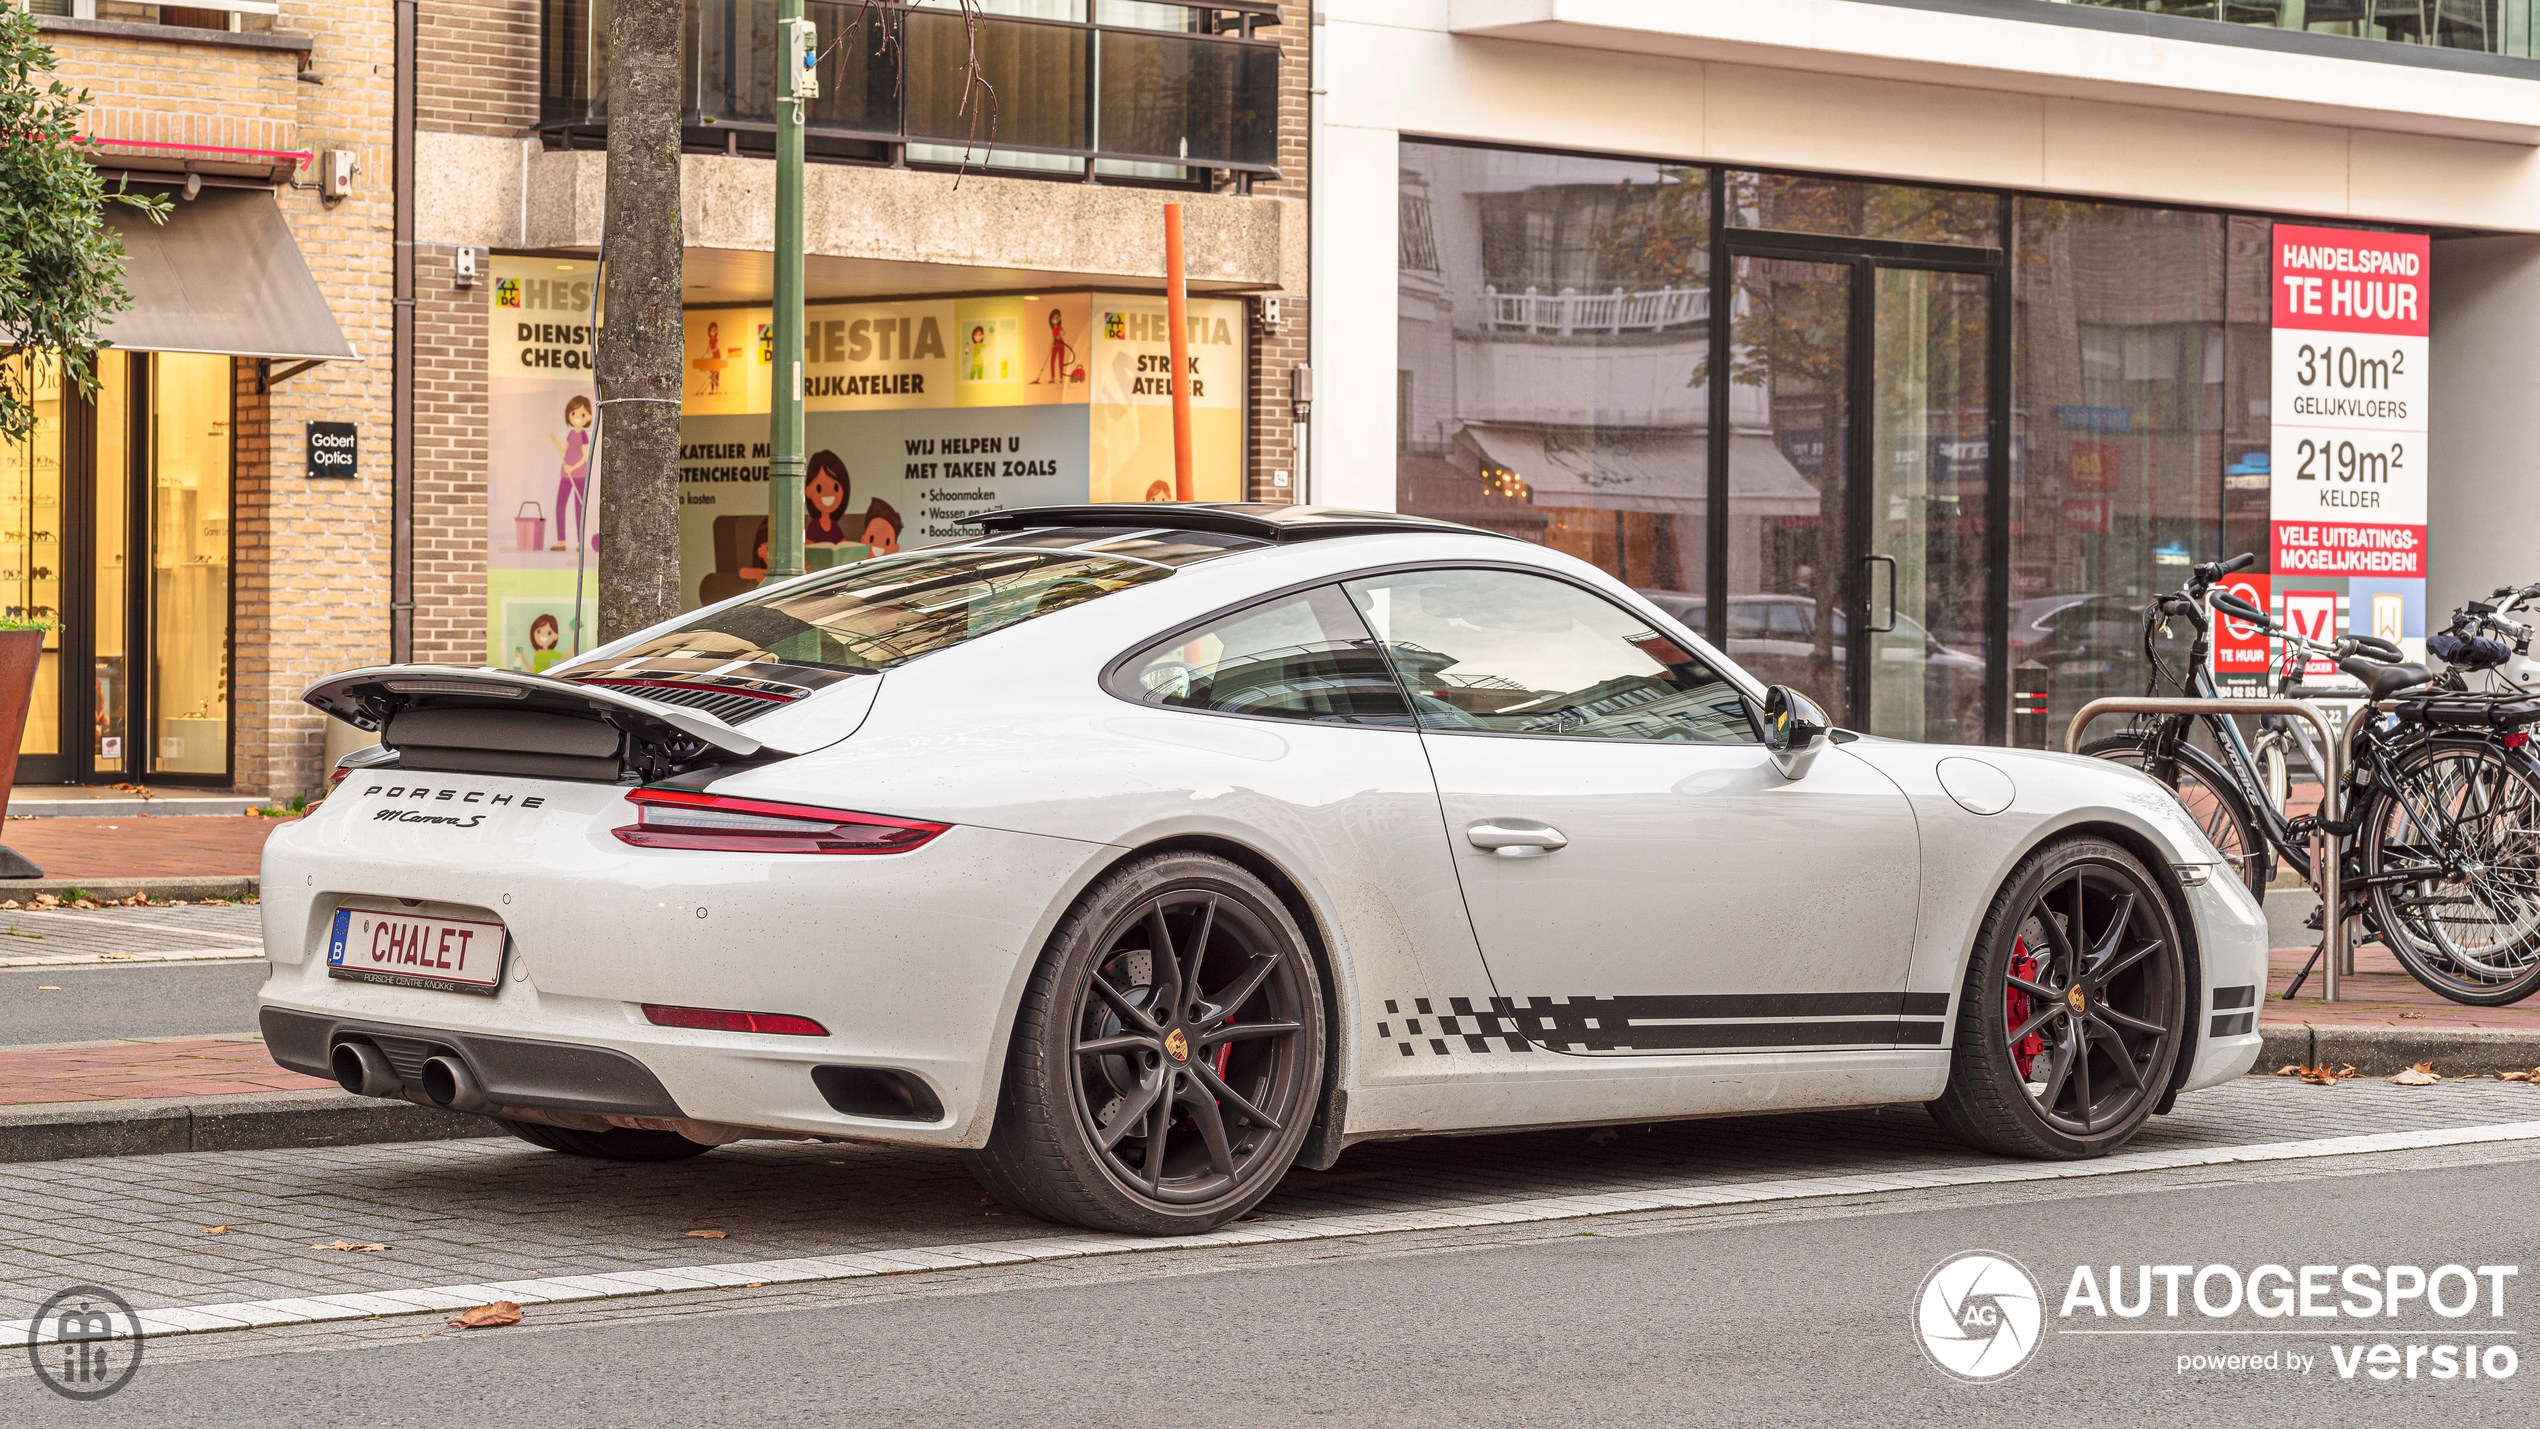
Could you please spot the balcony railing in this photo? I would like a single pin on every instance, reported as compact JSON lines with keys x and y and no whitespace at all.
{"x":2496,"y":27}
{"x":1569,"y":312}
{"x":1067,"y":98}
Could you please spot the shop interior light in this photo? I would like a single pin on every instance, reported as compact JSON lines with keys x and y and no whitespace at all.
{"x":689,"y":819}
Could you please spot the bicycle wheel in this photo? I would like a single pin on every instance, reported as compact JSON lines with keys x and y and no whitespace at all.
{"x":2209,"y":797}
{"x":2451,"y":854}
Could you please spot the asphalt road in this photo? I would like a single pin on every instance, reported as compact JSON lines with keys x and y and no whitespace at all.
{"x":134,"y":1000}
{"x":1798,"y":1316}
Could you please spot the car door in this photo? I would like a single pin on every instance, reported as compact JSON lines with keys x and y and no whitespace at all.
{"x":1640,"y":876}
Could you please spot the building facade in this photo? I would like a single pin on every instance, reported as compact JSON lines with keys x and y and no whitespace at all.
{"x":349,"y":416}
{"x":1907,"y":349}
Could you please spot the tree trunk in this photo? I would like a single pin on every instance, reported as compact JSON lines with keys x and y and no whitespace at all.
{"x":640,"y":342}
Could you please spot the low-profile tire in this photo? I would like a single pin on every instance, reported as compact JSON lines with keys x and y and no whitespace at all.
{"x":2065,"y":1044}
{"x":618,"y":1143}
{"x":1167,"y":1057}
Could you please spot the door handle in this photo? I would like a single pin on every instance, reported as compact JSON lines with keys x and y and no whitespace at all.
{"x":1890,"y":563}
{"x":1516,"y":838}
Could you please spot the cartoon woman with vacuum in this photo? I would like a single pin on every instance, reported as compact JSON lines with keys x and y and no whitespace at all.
{"x":1061,"y":367}
{"x":573,"y":481}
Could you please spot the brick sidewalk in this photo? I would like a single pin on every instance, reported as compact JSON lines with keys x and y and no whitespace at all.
{"x":2379,"y":993}
{"x":142,"y":847}
{"x":195,"y":1067}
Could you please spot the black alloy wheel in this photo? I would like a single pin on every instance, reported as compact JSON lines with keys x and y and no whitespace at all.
{"x":2074,"y":1008}
{"x":1168,"y":1057}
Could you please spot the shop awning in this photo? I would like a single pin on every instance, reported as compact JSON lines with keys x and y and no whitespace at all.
{"x":1627,"y":471}
{"x":221,"y":275}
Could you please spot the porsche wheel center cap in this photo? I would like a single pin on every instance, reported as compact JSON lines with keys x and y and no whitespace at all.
{"x":1177,"y":1045}
{"x":2076,"y":1001}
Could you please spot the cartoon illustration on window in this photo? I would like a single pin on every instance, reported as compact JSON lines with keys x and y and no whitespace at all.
{"x":713,"y":363}
{"x":825,"y":486}
{"x":573,"y":480}
{"x":1063,"y":366}
{"x":882,"y":528}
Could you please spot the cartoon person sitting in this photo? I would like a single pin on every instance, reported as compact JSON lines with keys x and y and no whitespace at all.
{"x":736,"y":568}
{"x":825,"y":487}
{"x":713,"y":363}
{"x":544,"y":635}
{"x":573,"y":480}
{"x":882,"y":528}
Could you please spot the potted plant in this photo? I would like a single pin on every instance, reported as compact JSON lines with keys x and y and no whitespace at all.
{"x":21,"y":651}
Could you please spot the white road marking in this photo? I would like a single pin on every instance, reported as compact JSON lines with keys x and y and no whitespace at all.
{"x":203,"y":1319}
{"x":164,"y":955}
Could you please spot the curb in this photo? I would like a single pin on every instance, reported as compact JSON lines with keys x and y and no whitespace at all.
{"x":191,"y":887}
{"x":2380,"y":1051}
{"x":244,"y":1121}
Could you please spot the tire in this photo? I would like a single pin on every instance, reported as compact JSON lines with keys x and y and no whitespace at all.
{"x":618,"y":1143}
{"x":1116,"y":1120}
{"x":2029,"y":1095}
{"x":2210,"y":797}
{"x":2471,"y":929}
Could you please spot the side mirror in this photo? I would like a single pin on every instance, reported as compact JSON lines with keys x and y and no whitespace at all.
{"x":1794,"y":730}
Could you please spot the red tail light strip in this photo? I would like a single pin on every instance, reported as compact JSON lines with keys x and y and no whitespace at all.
{"x":688,"y":819}
{"x":784,"y":1024}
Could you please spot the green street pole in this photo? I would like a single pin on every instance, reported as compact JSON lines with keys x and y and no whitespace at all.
{"x":785,"y":410}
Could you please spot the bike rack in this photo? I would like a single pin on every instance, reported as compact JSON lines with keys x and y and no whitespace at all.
{"x":2335,"y":958}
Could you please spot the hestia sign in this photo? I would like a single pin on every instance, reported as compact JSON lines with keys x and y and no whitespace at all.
{"x":335,"y":449}
{"x":2348,"y":488}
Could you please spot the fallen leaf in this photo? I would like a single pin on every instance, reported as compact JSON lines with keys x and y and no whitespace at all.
{"x":2416,"y":1076}
{"x":2421,"y":1067}
{"x":2322,"y":1075}
{"x":753,"y":1285}
{"x":706,"y":1235}
{"x":213,"y":1230}
{"x":2531,"y":1076}
{"x":487,"y":1317}
{"x":114,"y":957}
{"x":350,"y":1245}
{"x":46,"y":987}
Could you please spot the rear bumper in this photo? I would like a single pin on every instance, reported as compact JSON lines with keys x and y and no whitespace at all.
{"x":513,"y":1071}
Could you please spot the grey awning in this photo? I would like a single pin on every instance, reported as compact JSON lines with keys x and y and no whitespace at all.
{"x":221,"y":275}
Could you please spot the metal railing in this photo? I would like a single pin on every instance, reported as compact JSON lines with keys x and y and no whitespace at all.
{"x":2496,"y":27}
{"x":1061,"y":97}
{"x":2335,"y":957}
{"x":1570,"y":311}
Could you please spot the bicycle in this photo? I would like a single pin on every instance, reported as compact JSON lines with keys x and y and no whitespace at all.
{"x":2441,"y":845}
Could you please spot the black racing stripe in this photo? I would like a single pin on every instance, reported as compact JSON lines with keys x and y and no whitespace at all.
{"x":2235,"y":997}
{"x":1925,"y":1004}
{"x":2232,"y":1024}
{"x":1746,"y":1005}
{"x":1713,"y":1036}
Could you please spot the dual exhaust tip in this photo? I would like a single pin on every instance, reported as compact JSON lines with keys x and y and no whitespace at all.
{"x":364,"y":1070}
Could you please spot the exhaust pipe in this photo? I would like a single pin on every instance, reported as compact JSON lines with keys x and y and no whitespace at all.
{"x":362,"y":1070}
{"x":450,"y":1084}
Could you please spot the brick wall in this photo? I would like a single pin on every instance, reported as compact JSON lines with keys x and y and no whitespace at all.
{"x":450,"y":415}
{"x":1275,"y":354}
{"x":476,"y":66}
{"x":150,"y":96}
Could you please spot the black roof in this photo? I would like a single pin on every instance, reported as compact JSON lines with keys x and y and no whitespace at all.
{"x":1260,"y":520}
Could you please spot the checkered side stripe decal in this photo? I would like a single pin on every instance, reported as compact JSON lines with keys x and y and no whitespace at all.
{"x":1664,"y":1023}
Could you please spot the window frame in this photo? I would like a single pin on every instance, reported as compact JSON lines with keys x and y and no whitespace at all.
{"x":1749,"y":689}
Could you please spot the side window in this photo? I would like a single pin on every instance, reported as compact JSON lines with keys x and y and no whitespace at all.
{"x":1511,"y":653}
{"x":1300,"y":657}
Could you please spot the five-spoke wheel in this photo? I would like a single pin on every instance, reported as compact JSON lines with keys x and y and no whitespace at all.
{"x":2074,"y":1006}
{"x":1168,"y":1056}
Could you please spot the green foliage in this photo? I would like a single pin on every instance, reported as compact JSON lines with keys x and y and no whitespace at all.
{"x":20,"y":622}
{"x":61,"y":267}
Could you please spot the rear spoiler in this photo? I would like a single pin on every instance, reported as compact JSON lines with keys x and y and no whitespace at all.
{"x":507,"y":722}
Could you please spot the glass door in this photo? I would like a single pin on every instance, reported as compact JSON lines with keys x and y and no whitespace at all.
{"x":1860,"y":482}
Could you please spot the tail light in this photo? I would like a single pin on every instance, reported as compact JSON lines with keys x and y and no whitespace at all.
{"x":712,"y":1019}
{"x":683,"y":818}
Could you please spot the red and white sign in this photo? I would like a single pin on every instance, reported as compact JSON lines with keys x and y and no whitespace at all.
{"x":2239,"y":647}
{"x":2314,"y":615}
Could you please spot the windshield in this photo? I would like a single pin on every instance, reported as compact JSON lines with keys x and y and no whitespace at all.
{"x":877,"y":614}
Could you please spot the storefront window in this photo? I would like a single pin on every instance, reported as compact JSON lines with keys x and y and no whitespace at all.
{"x":2139,"y":376}
{"x":31,"y":539}
{"x":189,"y":627}
{"x":1850,"y":208}
{"x":111,"y":520}
{"x":1553,"y":375}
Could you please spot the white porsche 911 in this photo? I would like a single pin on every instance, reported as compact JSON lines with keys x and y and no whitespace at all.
{"x":1142,"y":852}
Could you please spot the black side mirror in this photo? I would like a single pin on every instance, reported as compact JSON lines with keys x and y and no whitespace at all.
{"x":1794,"y":730}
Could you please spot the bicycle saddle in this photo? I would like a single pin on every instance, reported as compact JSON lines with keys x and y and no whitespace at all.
{"x":2383,"y":681}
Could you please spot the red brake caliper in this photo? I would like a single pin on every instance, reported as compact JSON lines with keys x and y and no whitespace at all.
{"x":2015,"y":1007}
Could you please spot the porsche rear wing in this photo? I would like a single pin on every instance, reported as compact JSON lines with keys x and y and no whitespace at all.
{"x":443,"y":717}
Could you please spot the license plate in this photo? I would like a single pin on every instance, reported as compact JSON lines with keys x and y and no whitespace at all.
{"x":411,"y":950}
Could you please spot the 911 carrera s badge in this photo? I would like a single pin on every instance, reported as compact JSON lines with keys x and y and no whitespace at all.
{"x":2076,"y":1001}
{"x":1178,"y":1045}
